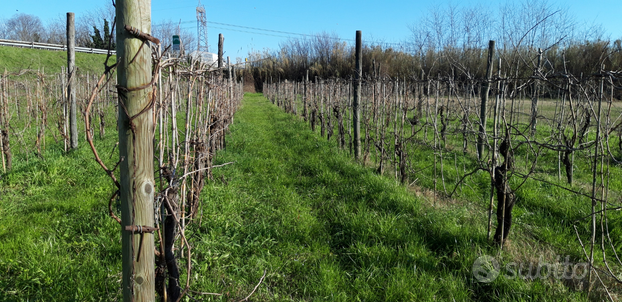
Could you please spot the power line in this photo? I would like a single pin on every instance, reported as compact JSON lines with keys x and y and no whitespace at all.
{"x":261,"y":29}
{"x":292,"y":33}
{"x":257,"y":29}
{"x":250,"y":32}
{"x":167,"y":23}
{"x":284,"y":34}
{"x":171,"y":8}
{"x":242,"y":31}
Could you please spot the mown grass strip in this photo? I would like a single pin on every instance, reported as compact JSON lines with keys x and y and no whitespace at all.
{"x":323,"y":227}
{"x":328,"y":229}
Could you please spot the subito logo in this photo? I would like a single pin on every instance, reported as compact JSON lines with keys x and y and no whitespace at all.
{"x":486,"y":269}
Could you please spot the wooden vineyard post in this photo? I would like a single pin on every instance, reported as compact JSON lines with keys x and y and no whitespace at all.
{"x":221,"y":41}
{"x":135,"y":123}
{"x":534,"y":99}
{"x":357,"y":97}
{"x":65,"y":121}
{"x":484,"y":94}
{"x":71,"y":74}
{"x":161,"y":126}
{"x":4,"y":127}
{"x":230,"y":80}
{"x":2,"y":117}
{"x":304,"y":98}
{"x":322,"y":119}
{"x":495,"y":134}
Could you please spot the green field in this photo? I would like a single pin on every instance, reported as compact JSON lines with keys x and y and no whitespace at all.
{"x":15,"y":59}
{"x":293,"y":206}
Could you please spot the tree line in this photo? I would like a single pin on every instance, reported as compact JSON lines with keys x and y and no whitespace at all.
{"x":93,"y":29}
{"x":452,"y":42}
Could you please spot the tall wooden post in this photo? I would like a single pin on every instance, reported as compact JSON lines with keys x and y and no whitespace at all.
{"x":304,"y":99}
{"x":136,"y":150}
{"x":71,"y":74}
{"x":484,"y":94}
{"x":534,"y":100}
{"x":221,"y":41}
{"x":4,"y":132}
{"x":357,"y":97}
{"x":230,"y":80}
{"x":63,"y":79}
{"x":2,"y":118}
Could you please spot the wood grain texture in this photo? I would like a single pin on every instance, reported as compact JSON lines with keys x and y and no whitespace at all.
{"x":136,"y":149}
{"x":483,"y":105}
{"x":357,"y":96}
{"x":71,"y":74}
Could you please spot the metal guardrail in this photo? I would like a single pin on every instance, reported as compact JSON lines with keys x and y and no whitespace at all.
{"x":58,"y":47}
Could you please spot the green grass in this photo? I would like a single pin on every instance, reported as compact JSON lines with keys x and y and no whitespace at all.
{"x":57,"y":242}
{"x":325,"y":228}
{"x":544,"y":213}
{"x":322,"y":227}
{"x":15,"y":59}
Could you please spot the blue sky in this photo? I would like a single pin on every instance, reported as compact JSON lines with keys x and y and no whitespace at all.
{"x":382,"y":21}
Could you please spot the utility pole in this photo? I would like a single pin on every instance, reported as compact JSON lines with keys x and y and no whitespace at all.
{"x":357,"y":96}
{"x":136,"y":132}
{"x":71,"y":74}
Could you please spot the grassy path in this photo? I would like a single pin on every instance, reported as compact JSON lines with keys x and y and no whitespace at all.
{"x":321,"y":227}
{"x":327,"y":229}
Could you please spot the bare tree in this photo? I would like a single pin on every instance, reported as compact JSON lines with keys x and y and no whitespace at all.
{"x":3,"y":29}
{"x":165,"y":31}
{"x":477,"y":27}
{"x":534,"y":24}
{"x":56,"y":31}
{"x":84,"y":28}
{"x":25,"y":27}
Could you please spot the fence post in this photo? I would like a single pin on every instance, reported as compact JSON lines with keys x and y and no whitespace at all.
{"x":484,"y":94}
{"x":304,"y":99}
{"x":136,"y":150}
{"x":534,"y":100}
{"x":230,"y":80}
{"x":357,"y":96}
{"x":2,"y":118}
{"x":71,"y":74}
{"x":221,"y":41}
